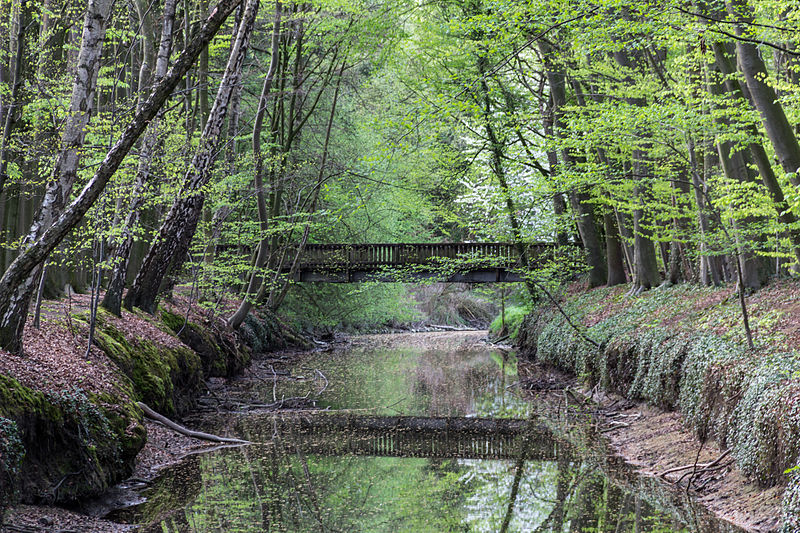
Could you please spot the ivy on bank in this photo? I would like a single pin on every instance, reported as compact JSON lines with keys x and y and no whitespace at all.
{"x":747,"y":401}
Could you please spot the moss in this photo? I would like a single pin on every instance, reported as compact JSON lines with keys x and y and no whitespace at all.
{"x":221,"y":354}
{"x":166,"y":378}
{"x":75,"y":444}
{"x":12,"y":452}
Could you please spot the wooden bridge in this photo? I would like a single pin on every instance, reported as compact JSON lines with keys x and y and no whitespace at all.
{"x":445,"y":262}
{"x":410,"y":436}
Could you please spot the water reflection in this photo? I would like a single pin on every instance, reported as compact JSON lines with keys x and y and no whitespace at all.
{"x":374,"y":471}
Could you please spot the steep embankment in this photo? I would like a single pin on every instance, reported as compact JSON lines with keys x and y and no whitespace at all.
{"x":683,"y":349}
{"x":69,"y":424}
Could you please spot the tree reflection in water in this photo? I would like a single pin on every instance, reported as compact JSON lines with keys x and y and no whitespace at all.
{"x":287,"y":485}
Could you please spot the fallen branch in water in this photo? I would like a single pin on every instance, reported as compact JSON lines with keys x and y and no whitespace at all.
{"x":149,"y":413}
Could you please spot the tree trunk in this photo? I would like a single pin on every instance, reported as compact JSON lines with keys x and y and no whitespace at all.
{"x":172,"y":242}
{"x":579,"y":200}
{"x":779,"y":130}
{"x":112,"y":300}
{"x":256,"y":279}
{"x":616,"y":265}
{"x":646,"y":274}
{"x":13,"y":311}
{"x":12,"y":319}
{"x":758,"y":153}
{"x":9,"y":110}
{"x":276,"y":302}
{"x":680,"y":225}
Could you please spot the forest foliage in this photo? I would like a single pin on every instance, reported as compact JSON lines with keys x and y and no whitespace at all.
{"x":144,"y":144}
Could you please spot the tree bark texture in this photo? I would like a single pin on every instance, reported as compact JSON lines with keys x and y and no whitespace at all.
{"x":614,"y":259}
{"x":172,"y":242}
{"x":757,"y":152}
{"x":645,"y":262}
{"x":579,"y":200}
{"x":776,"y":124}
{"x":112,"y":300}
{"x":65,"y":171}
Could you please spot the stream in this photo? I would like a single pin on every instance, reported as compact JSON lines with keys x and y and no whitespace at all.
{"x":413,"y":433}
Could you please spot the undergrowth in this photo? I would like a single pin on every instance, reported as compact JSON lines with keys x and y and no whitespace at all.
{"x":510,"y":324}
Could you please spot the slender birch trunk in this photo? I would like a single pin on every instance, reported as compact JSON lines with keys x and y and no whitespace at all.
{"x":172,"y":242}
{"x":258,"y":176}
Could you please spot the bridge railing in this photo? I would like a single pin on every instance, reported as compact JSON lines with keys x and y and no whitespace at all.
{"x":392,"y":254}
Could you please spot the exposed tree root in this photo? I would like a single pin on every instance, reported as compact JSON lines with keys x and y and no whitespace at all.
{"x":149,"y":413}
{"x":699,"y":467}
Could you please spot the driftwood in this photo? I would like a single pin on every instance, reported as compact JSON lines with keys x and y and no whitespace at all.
{"x":149,"y":413}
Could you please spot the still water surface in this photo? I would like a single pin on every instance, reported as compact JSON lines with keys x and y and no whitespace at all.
{"x":352,"y":479}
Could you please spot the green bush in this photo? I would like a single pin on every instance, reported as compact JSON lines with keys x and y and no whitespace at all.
{"x":515,"y":314}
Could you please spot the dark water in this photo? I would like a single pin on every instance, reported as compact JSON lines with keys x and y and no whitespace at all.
{"x":378,"y":467}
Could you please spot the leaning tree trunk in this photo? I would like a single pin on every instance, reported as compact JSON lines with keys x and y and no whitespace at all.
{"x":112,"y":300}
{"x":12,"y":312}
{"x":176,"y":232}
{"x":757,"y":152}
{"x":776,"y":124}
{"x":65,"y":171}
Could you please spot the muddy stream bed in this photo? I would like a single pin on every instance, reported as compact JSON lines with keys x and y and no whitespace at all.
{"x":411,"y":432}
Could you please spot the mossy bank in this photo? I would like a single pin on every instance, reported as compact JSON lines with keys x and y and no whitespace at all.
{"x":682,"y":348}
{"x":69,"y":424}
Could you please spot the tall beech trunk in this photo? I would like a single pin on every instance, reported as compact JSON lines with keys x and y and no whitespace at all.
{"x":710,"y":269}
{"x":759,"y":155}
{"x":579,"y":200}
{"x":735,"y":165}
{"x":559,"y":204}
{"x":13,"y":284}
{"x":614,"y":259}
{"x":645,"y":263}
{"x":172,"y":242}
{"x":680,"y":226}
{"x":776,"y":124}
{"x":112,"y":300}
{"x":256,"y":279}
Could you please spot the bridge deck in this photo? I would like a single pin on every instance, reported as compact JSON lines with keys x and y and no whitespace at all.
{"x":453,"y":262}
